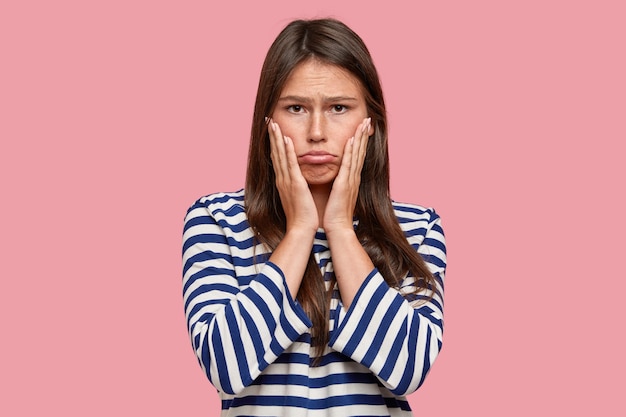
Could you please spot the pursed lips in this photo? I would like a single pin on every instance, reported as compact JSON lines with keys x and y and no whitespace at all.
{"x":316,"y":157}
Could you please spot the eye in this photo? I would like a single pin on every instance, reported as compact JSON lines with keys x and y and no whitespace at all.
{"x":295,"y":108}
{"x":339,"y":108}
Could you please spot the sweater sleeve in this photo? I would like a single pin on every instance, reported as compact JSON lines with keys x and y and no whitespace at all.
{"x":237,"y":325}
{"x":397,"y":337}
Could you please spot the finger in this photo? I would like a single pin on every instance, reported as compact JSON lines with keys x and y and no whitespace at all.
{"x":363,"y":143}
{"x":346,"y":160}
{"x":358,"y":151}
{"x":278,"y":150}
{"x":290,"y":155}
{"x":272,"y":135}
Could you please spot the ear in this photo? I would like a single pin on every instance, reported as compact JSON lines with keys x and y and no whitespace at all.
{"x":370,"y":132}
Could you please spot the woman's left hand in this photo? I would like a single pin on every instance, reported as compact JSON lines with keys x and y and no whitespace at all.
{"x":339,"y":210}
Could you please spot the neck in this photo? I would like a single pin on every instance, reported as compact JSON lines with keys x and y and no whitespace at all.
{"x":320,"y":195}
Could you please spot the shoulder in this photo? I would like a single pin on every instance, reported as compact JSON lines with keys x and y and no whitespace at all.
{"x":219,"y":202}
{"x":220,"y":206}
{"x":411,"y":213}
{"x":417,"y":221}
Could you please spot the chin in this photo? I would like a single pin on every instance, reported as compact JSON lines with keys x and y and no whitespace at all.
{"x":317,"y":178}
{"x":320,"y":182}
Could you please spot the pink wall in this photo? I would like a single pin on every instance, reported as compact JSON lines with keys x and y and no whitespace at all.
{"x":509,"y":119}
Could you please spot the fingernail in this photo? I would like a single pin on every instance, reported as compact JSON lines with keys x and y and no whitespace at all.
{"x":267,"y":119}
{"x":286,"y":139}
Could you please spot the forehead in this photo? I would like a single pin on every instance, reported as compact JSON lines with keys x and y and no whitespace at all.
{"x":314,"y":76}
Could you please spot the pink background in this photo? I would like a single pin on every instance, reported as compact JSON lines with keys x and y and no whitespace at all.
{"x":508,"y":117}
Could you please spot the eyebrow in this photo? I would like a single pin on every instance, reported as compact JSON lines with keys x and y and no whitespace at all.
{"x":308,"y":100}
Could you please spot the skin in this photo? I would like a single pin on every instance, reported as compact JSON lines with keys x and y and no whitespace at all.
{"x":318,"y":137}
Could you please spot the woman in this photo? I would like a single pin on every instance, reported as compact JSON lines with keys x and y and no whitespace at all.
{"x":311,"y":291}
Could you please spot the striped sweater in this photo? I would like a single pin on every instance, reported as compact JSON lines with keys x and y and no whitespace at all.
{"x":252,"y":339}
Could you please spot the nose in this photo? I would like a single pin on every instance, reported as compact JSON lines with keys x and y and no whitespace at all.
{"x":317,"y":128}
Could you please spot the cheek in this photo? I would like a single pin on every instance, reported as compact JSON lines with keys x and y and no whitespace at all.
{"x":346,"y":131}
{"x":288,"y":127}
{"x":345,"y":140}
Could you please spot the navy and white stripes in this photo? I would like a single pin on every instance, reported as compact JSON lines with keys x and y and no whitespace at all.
{"x":252,"y":339}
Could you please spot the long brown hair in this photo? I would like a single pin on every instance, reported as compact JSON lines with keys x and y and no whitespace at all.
{"x":331,"y":42}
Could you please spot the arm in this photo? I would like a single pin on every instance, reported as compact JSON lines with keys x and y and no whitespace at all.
{"x":351,"y":263}
{"x":292,"y":253}
{"x":397,"y":339}
{"x":238,"y":330}
{"x":238,"y":323}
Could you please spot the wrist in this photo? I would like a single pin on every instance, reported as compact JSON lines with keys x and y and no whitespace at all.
{"x":300,"y":232}
{"x":340,"y":232}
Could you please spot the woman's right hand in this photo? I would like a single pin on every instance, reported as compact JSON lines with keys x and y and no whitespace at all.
{"x":295,"y":196}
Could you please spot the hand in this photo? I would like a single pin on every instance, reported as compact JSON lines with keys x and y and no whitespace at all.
{"x":339,"y":210}
{"x":295,"y":196}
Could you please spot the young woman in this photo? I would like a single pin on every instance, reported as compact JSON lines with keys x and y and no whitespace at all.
{"x":311,"y":292}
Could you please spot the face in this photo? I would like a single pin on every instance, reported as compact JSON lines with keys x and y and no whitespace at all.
{"x":319,"y":108}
